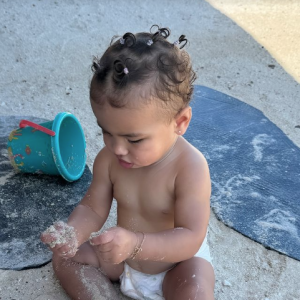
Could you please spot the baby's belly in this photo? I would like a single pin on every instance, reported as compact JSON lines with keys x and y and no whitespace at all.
{"x":149,"y":267}
{"x":137,"y":223}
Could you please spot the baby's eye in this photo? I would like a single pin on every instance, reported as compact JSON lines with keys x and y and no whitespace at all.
{"x":105,"y":132}
{"x":135,"y":142}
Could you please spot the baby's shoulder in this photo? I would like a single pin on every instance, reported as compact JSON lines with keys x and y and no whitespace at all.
{"x":192,"y":168}
{"x":103,"y":158}
{"x":191,"y":156}
{"x":191,"y":162}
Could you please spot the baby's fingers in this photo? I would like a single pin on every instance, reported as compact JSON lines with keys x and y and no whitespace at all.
{"x":58,"y":234}
{"x":60,"y":225}
{"x":52,"y":237}
{"x":66,"y":251}
{"x":49,"y":237}
{"x":98,"y":238}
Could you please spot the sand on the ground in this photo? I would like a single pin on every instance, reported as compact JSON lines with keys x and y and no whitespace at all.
{"x":273,"y":23}
{"x":245,"y":270}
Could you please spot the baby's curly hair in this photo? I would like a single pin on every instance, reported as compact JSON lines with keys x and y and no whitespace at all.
{"x":145,"y":62}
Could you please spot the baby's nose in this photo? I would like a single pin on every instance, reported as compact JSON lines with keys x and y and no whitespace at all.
{"x":120,"y":149}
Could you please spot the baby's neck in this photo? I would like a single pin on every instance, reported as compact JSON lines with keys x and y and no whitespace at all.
{"x":167,"y":154}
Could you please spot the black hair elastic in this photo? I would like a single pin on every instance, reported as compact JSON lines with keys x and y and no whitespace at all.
{"x":181,"y":40}
{"x":96,"y":67}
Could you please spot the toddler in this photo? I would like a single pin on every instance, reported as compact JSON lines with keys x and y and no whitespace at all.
{"x":140,"y":94}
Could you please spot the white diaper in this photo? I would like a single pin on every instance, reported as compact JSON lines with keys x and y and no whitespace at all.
{"x":141,"y":286}
{"x":204,"y":252}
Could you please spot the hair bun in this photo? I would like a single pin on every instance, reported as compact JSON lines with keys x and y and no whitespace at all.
{"x":128,"y":39}
{"x":119,"y":67}
{"x":164,"y":32}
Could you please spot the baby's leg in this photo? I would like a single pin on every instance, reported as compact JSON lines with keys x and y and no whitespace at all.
{"x":190,"y":279}
{"x":84,"y":276}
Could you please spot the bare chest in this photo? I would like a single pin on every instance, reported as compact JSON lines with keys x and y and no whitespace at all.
{"x":147,"y":196}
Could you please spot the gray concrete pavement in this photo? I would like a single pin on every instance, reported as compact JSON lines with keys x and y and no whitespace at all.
{"x":46,"y":49}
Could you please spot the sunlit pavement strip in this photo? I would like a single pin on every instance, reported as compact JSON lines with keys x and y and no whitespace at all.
{"x":275,"y":24}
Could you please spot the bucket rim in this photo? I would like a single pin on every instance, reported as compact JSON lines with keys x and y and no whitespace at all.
{"x":56,"y":148}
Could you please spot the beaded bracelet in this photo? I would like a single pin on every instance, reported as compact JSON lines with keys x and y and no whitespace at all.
{"x":137,"y":249}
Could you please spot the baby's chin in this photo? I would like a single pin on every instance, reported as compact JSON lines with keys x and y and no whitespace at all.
{"x":142,"y":165}
{"x":139,"y":166}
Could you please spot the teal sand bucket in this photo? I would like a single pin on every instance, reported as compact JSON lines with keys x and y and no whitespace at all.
{"x":55,"y":148}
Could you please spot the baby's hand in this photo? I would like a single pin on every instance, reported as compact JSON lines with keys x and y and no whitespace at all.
{"x":61,"y":238}
{"x":114,"y":245}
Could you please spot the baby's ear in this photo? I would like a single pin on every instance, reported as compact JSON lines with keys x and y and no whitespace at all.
{"x":182,"y":120}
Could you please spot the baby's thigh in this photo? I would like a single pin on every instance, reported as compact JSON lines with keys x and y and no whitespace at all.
{"x":193,"y":278}
{"x":87,"y":255}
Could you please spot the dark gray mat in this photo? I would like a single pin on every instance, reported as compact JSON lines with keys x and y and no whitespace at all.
{"x":29,"y":204}
{"x":255,"y":170}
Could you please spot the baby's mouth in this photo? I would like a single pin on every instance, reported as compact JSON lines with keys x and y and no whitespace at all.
{"x":125,"y":164}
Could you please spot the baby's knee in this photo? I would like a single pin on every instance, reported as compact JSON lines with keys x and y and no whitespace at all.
{"x":59,"y":262}
{"x":195,"y":289}
{"x":56,"y":261}
{"x":201,"y":290}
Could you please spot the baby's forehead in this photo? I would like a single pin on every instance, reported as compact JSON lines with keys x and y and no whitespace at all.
{"x":138,"y":115}
{"x":151,"y":106}
{"x":136,"y":121}
{"x":140,"y":98}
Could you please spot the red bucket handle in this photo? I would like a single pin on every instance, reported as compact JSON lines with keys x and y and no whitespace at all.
{"x":25,"y":123}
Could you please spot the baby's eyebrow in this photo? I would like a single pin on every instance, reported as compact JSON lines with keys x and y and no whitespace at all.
{"x":132,"y":135}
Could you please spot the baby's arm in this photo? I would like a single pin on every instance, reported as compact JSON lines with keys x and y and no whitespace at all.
{"x":93,"y":210}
